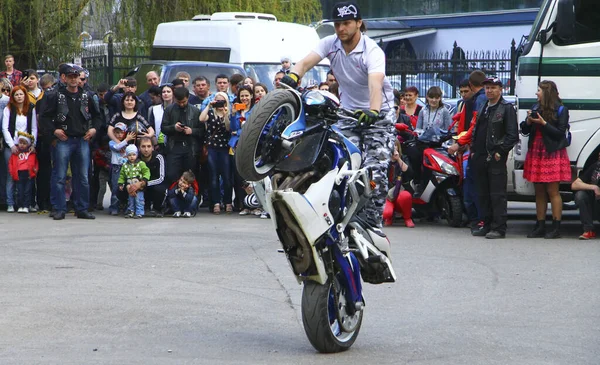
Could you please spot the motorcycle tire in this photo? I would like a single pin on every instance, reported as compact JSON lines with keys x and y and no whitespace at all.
{"x":320,"y":324}
{"x":257,"y":129}
{"x":453,"y":210}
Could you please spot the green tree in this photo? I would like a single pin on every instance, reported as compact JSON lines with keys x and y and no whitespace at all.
{"x":38,"y":31}
{"x":47,"y":32}
{"x":138,"y":19}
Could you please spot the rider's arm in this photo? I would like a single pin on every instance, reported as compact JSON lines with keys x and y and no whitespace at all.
{"x":305,"y":64}
{"x":375,"y":87}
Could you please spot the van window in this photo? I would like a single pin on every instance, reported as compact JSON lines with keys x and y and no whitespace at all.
{"x":587,"y":23}
{"x":190,"y":54}
{"x":265,"y":73}
{"x":140,"y":75}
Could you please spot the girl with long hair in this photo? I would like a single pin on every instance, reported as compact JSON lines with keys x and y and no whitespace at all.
{"x":19,"y":116}
{"x":218,"y":129}
{"x":547,"y":162}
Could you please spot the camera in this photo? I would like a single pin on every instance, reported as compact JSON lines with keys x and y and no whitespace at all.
{"x":534,"y":114}
{"x":219,"y":103}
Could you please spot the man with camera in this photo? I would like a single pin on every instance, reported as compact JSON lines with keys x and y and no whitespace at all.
{"x":181,"y":124}
{"x":71,"y":116}
{"x":494,"y":135}
{"x":114,"y":95}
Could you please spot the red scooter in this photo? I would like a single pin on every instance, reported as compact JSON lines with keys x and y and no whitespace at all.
{"x":442,"y":192}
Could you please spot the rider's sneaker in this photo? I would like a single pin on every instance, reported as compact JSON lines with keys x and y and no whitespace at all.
{"x":409,"y":223}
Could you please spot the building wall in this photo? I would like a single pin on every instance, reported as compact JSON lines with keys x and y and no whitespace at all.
{"x":394,"y":8}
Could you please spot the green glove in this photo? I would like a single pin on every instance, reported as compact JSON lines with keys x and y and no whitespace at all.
{"x":366,"y":117}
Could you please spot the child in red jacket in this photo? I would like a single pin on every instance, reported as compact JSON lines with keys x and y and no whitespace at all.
{"x":23,"y":168}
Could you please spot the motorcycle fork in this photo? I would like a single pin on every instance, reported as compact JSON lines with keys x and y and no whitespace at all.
{"x":349,"y":277}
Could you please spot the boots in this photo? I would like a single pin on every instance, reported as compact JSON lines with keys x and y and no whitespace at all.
{"x":555,"y":231}
{"x":539,"y":230}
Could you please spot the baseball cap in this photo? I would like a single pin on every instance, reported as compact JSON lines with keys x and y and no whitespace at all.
{"x":69,"y":69}
{"x":122,"y":126}
{"x":131,"y":149}
{"x":346,"y":10}
{"x":493,"y":81}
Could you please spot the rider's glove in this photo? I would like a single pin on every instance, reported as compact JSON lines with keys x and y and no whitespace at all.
{"x":291,"y":80}
{"x":366,"y":117}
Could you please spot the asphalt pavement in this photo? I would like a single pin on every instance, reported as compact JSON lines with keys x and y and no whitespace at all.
{"x":214,"y":290}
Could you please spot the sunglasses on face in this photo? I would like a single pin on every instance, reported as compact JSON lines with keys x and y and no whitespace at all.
{"x":82,"y":79}
{"x":6,"y":90}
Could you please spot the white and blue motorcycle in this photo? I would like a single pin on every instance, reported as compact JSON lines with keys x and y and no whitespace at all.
{"x":317,"y":188}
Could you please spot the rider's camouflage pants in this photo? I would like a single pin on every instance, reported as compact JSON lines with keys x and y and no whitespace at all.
{"x":377,"y":144}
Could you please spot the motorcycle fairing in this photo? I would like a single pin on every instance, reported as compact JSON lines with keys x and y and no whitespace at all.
{"x":353,"y":150}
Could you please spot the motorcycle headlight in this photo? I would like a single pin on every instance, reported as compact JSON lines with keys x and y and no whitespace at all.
{"x":446,"y":167}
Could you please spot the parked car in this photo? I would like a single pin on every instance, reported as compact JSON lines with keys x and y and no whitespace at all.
{"x":168,"y":69}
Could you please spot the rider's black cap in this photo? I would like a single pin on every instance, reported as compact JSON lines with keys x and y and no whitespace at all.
{"x":346,"y":10}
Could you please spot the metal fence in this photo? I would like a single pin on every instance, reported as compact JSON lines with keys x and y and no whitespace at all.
{"x":448,"y":69}
{"x":108,"y":63}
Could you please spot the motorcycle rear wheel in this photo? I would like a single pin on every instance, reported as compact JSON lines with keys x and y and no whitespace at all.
{"x":261,"y":134}
{"x":324,"y":317}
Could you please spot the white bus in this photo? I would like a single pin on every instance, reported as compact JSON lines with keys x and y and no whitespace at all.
{"x":255,"y":41}
{"x":563,"y":46}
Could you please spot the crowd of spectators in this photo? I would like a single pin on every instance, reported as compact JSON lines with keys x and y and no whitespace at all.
{"x":171,"y":151}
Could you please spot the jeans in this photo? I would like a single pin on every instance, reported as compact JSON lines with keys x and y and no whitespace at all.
{"x":103,"y":180}
{"x":220,"y":167}
{"x":589,"y":208}
{"x":24,"y":187}
{"x":470,"y":194}
{"x":180,"y":205}
{"x":115,"y":194}
{"x":136,"y":203}
{"x":10,"y":185}
{"x":75,"y":150}
{"x":3,"y":174}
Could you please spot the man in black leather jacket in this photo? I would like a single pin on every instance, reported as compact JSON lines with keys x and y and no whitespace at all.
{"x":495,"y":134}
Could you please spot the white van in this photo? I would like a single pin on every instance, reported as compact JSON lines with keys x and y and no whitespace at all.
{"x":255,"y":41}
{"x":563,"y":46}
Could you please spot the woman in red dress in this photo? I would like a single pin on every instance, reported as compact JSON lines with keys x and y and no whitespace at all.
{"x":547,"y":162}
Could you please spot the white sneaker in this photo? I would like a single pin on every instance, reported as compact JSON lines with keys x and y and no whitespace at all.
{"x":25,"y":210}
{"x":264,"y":215}
{"x":20,"y":210}
{"x":32,"y":209}
{"x":10,"y":209}
{"x":187,"y":215}
{"x":176,"y":214}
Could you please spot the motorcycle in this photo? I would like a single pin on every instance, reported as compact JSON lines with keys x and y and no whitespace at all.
{"x":316,"y":188}
{"x":442,"y":192}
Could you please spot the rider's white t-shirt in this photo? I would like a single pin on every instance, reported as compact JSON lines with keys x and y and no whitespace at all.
{"x":351,"y":71}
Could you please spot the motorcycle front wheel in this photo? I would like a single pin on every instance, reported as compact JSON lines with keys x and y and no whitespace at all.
{"x":259,"y":146}
{"x":328,"y":326}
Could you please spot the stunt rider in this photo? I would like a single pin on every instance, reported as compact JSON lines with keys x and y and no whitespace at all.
{"x":359,"y":67}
